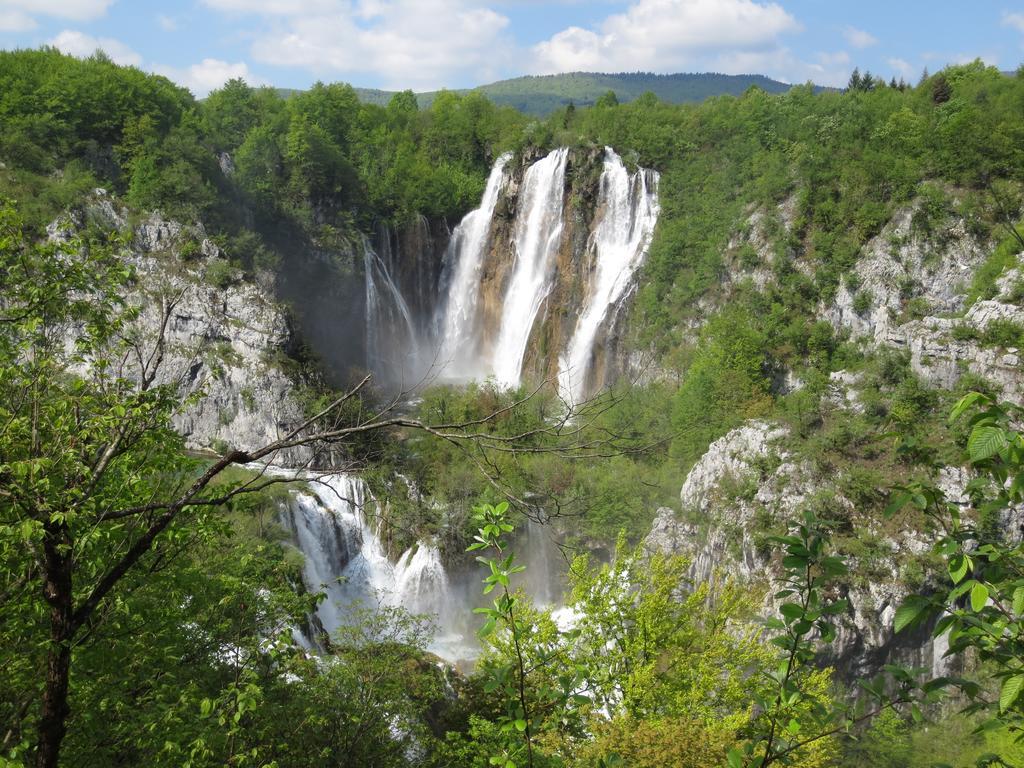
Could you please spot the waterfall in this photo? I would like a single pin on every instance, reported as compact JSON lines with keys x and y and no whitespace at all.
{"x":330,"y":531}
{"x":391,"y":338}
{"x":538,"y":231}
{"x":500,"y":270}
{"x":345,"y":558}
{"x":627,"y":212}
{"x":461,"y":278}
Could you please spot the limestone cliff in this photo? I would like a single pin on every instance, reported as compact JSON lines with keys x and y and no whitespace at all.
{"x":748,"y":485}
{"x":901,"y":274}
{"x":225,"y":337}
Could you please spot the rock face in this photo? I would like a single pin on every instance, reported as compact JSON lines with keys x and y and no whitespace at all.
{"x":939,"y":357}
{"x":748,"y":482}
{"x":223,"y":337}
{"x":742,"y":473}
{"x":898,"y":267}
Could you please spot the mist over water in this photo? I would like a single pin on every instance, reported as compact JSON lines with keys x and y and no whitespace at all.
{"x":392,"y":342}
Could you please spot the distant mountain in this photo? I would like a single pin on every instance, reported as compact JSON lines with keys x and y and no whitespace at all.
{"x":541,"y":95}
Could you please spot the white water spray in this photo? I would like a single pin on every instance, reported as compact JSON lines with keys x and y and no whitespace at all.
{"x":538,"y":233}
{"x":627,"y":212}
{"x":392,"y":343}
{"x":345,"y":558}
{"x":464,"y":262}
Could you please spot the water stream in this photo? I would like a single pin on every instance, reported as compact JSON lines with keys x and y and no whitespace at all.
{"x":627,"y":211}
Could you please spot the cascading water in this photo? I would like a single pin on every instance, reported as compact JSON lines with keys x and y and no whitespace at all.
{"x":492,"y":292}
{"x":538,"y":231}
{"x":345,"y":558}
{"x":464,"y":261}
{"x":627,"y":212}
{"x":392,"y":343}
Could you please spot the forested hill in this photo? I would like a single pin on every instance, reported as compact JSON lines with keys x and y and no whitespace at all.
{"x":542,"y":95}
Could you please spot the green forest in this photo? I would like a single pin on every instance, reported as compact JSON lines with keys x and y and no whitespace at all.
{"x":151,"y":598}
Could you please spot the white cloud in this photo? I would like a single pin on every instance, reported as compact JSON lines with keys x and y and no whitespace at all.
{"x":208,"y":75}
{"x":167,"y":23}
{"x":903,"y":67}
{"x":670,"y":36}
{"x":81,"y":45}
{"x":858,"y":38}
{"x":1014,"y":20}
{"x":275,"y":7}
{"x":16,"y":21}
{"x":76,"y":10}
{"x":407,"y":43}
{"x":824,"y":68}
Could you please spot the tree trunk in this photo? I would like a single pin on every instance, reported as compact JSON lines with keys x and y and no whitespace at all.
{"x":57,"y":591}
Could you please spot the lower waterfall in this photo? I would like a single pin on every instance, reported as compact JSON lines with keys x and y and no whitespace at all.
{"x":332,"y":525}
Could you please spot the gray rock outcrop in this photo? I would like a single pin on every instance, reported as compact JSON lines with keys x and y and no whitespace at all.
{"x":746,"y":481}
{"x":897,"y":267}
{"x":225,"y":340}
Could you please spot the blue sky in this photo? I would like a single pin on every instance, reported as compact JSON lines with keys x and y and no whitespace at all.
{"x":426,"y":44}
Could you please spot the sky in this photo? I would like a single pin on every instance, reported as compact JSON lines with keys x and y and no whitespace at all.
{"x":429,"y":44}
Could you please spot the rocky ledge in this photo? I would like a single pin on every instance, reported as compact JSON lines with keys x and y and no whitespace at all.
{"x":747,"y":482}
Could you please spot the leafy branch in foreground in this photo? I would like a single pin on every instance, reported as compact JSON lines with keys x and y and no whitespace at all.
{"x":509,"y":680}
{"x":795,"y":717}
{"x":509,"y":622}
{"x":982,"y":611}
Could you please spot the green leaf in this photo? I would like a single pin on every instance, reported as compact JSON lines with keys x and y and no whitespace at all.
{"x":966,"y":402}
{"x":979,"y":596}
{"x":1010,"y":691}
{"x":487,"y":628}
{"x":520,"y":725}
{"x":1018,"y":600}
{"x":898,"y":502}
{"x":909,"y":612}
{"x":735,"y":758}
{"x":791,"y":611}
{"x":794,"y":562}
{"x":985,"y":442}
{"x":958,"y":568}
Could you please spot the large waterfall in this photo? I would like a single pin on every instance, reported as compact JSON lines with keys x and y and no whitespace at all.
{"x":530,"y":283}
